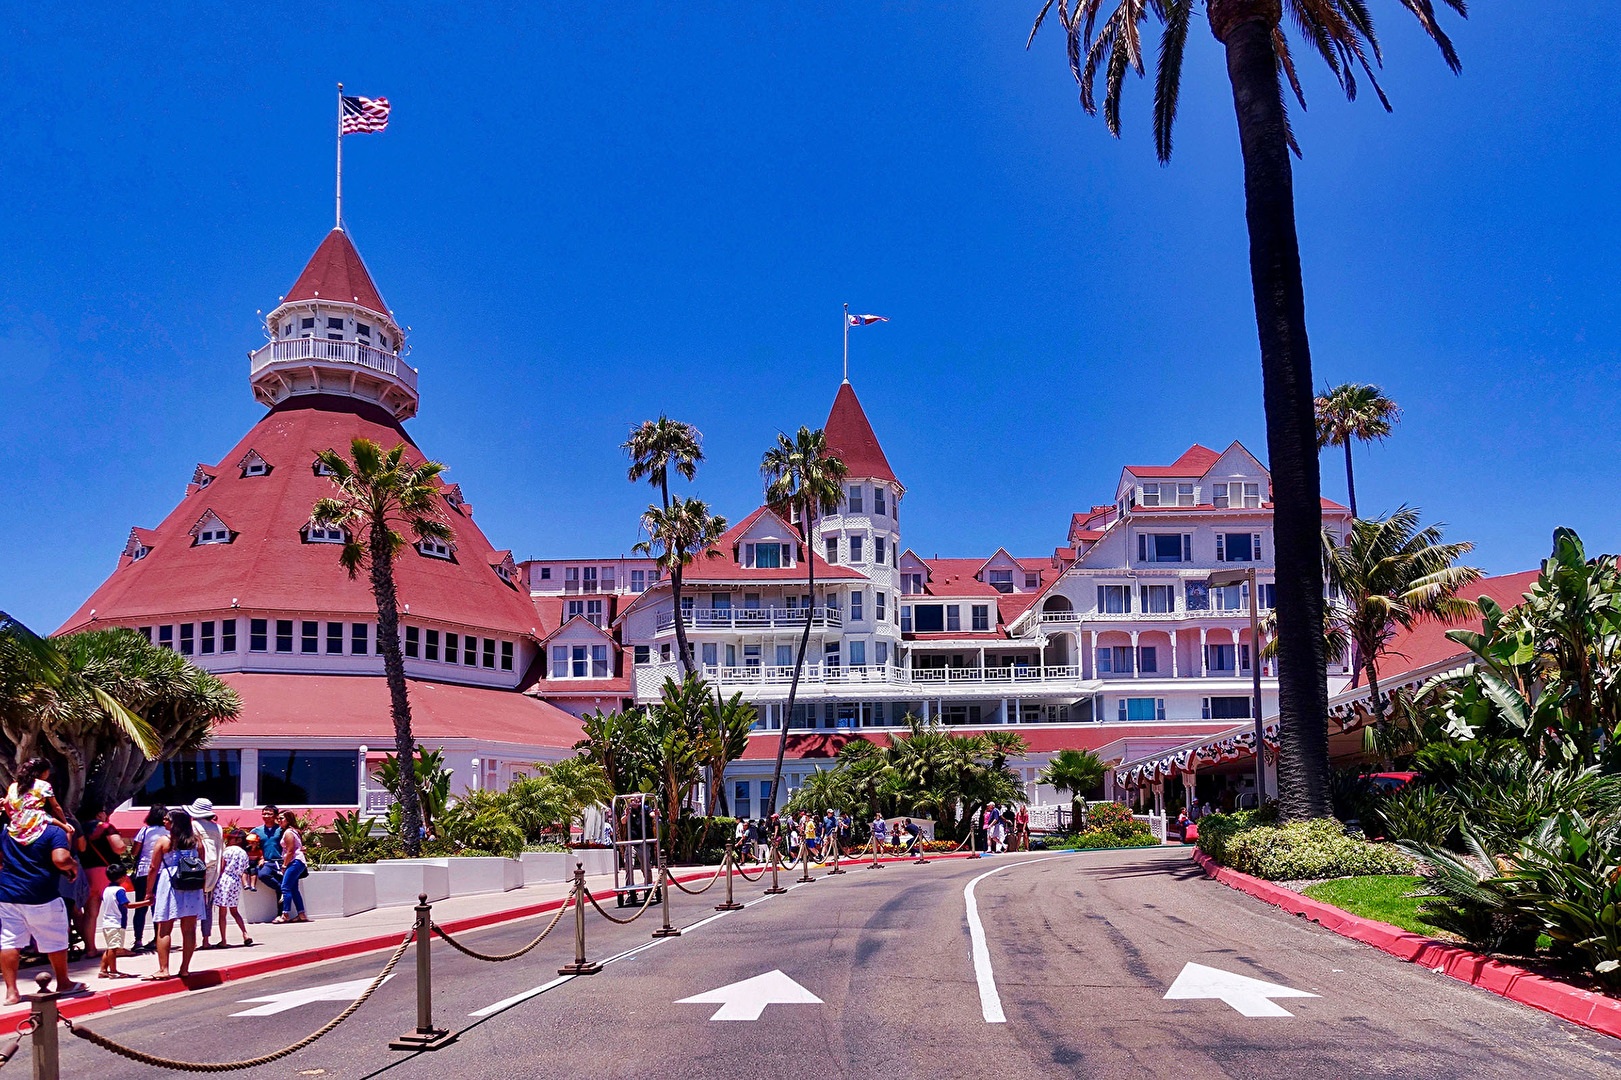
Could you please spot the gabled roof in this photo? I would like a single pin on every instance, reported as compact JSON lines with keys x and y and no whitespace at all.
{"x":852,"y":439}
{"x":139,"y":538}
{"x":335,"y":272}
{"x":722,"y":562}
{"x":581,"y":619}
{"x":1195,"y":461}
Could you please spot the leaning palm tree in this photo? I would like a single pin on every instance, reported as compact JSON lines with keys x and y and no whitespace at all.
{"x":654,"y":448}
{"x":1353,"y":412}
{"x":380,"y":498}
{"x":1258,"y":58}
{"x":678,"y":533}
{"x":1391,"y":575}
{"x":803,"y":478}
{"x":1074,"y":771}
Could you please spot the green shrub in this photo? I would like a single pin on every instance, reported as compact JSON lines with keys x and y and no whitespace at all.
{"x":1421,"y":813}
{"x":1217,"y":830}
{"x":482,"y":827}
{"x":1308,"y":849}
{"x":1572,"y":872}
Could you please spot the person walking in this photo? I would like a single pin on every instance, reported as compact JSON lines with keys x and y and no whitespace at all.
{"x":104,"y":846}
{"x":269,"y":834}
{"x":1021,"y":828}
{"x":113,"y":908}
{"x":203,"y":820}
{"x":146,"y":839}
{"x":31,"y":904}
{"x":293,"y":867}
{"x":175,"y":882}
{"x":228,"y":889}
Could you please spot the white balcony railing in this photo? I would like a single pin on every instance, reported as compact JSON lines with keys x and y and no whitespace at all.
{"x":1139,"y":616}
{"x":1067,"y":678}
{"x":751,"y":618}
{"x":320,"y":350}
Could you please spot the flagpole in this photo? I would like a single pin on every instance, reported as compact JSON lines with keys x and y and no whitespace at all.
{"x":846,"y":342}
{"x":339,"y":222}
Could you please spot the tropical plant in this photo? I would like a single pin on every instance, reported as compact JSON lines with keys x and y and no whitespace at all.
{"x":821,"y":790}
{"x":1470,"y":897}
{"x":1571,"y":870}
{"x":1420,"y":812}
{"x":556,"y":795}
{"x":727,"y":724}
{"x":869,"y":770}
{"x":380,"y":498}
{"x":1258,"y":59}
{"x":105,"y":707}
{"x":1309,"y":849}
{"x":1074,"y":771}
{"x":804,"y":479}
{"x":1353,"y":412}
{"x":676,"y":535}
{"x":1391,"y":574}
{"x":352,"y":832}
{"x":620,"y":745}
{"x":654,"y":448}
{"x":676,"y":729}
{"x":430,"y":793}
{"x":479,"y":821}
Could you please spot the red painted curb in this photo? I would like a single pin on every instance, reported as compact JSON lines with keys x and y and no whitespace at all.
{"x":103,"y":1000}
{"x":1600,"y":1012}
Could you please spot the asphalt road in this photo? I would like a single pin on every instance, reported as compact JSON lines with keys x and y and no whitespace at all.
{"x":1081,"y":949}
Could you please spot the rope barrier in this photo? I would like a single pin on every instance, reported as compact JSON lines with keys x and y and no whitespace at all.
{"x":145,"y":1058}
{"x":502,"y":957}
{"x":706,"y":888}
{"x":744,"y":874}
{"x":639,"y":911}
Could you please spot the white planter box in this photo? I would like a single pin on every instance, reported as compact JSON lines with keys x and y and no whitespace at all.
{"x":401,"y":881}
{"x":481,"y":874}
{"x":335,"y":894}
{"x":544,"y":866}
{"x":595,"y":860}
{"x":259,"y":905}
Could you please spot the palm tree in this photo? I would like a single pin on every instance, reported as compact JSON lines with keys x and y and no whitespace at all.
{"x":679,"y":531}
{"x":803,"y":478}
{"x":380,"y":498}
{"x":656,"y":447}
{"x":1391,"y":575}
{"x":1351,"y":412}
{"x":1258,"y":58}
{"x":1074,"y":771}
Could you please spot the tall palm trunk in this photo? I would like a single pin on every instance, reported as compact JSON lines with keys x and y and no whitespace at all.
{"x":799,"y":660}
{"x":1350,"y":481}
{"x":1245,"y":28}
{"x":681,"y":646}
{"x":388,"y":642}
{"x":1380,"y":724}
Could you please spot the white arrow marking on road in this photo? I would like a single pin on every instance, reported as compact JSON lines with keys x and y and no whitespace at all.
{"x":292,"y":999}
{"x":1252,"y":997}
{"x":746,"y":1000}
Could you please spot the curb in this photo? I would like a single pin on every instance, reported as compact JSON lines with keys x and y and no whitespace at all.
{"x":1598,"y":1012}
{"x":104,"y":1000}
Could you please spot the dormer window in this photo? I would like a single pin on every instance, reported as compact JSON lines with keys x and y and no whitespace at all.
{"x":321,"y":468}
{"x":201,"y":477}
{"x":139,"y":552}
{"x":253,"y":465}
{"x":1001,"y":580}
{"x":436,"y":549}
{"x":323,"y":534}
{"x":211,"y":530}
{"x":287,"y":328}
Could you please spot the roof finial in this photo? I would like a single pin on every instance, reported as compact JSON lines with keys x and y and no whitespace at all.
{"x":339,"y":213}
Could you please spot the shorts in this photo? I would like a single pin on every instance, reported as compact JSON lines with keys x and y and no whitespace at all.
{"x":46,"y":923}
{"x":112,"y":937}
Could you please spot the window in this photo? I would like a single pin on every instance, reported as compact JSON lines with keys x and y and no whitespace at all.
{"x":436,"y":549}
{"x":413,"y":644}
{"x":1236,"y":495}
{"x":469,"y":650}
{"x":1150,"y":495}
{"x":363,"y":329}
{"x":855,"y":550}
{"x":215,"y":532}
{"x":830,"y":654}
{"x":317,"y":534}
{"x":321,"y":468}
{"x":1114,"y":660}
{"x":855,"y":499}
{"x":1238,"y":547}
{"x":731,"y":656}
{"x":431,"y":646}
{"x":1219,"y":658}
{"x":506,"y":655}
{"x":599,"y":659}
{"x":306,"y":324}
{"x":1197,"y":595}
{"x":785,"y":656}
{"x":1032,"y":581}
{"x":881,"y":653}
{"x":258,"y":635}
{"x":188,"y":638}
{"x":588,"y":579}
{"x":710,"y":654}
{"x":452,"y":648}
{"x":1231,"y":597}
{"x":202,"y":774}
{"x":573,"y":608}
{"x":334,"y":638}
{"x":1226,"y":708}
{"x":284,"y":635}
{"x":545,"y":573}
{"x":489,"y":652}
{"x":1218,"y":496}
{"x":832,"y":543}
{"x":664,"y":653}
{"x":929,"y":618}
{"x":1164,"y":547}
{"x":906,"y":618}
{"x":1159,"y":599}
{"x":334,"y":329}
{"x":1184,"y":494}
{"x":855,"y":606}
{"x":1114,"y":599}
{"x":741,"y":806}
{"x":146,"y":632}
{"x":309,"y":637}
{"x":638,"y":581}
{"x":981,"y":617}
{"x":751,"y":656}
{"x":858,"y":654}
{"x":359,"y":638}
{"x":953,"y":617}
{"x":256,"y":467}
{"x":560,"y":656}
{"x":309,"y":777}
{"x":208,"y":638}
{"x":593,"y":612}
{"x":878,"y":613}
{"x":1148,"y":659}
{"x":1269,"y":595}
{"x":878,"y":550}
{"x":607,"y":579}
{"x":642,"y":654}
{"x":1252,"y":496}
{"x":1142,"y":708}
{"x":1002,"y":580}
{"x":878,"y":501}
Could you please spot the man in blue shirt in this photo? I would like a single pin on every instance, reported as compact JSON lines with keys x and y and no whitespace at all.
{"x":31,"y":905}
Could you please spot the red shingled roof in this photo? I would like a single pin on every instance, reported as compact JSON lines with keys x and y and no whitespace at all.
{"x":1427,"y":643}
{"x":726,"y":564}
{"x":268,"y":567}
{"x":335,"y":272}
{"x":1195,"y":461}
{"x":850,"y":436}
{"x":357,"y":707}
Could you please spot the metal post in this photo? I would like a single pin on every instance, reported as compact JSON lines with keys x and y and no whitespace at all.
{"x":664,"y":890}
{"x":804,"y":850}
{"x":776,"y":860}
{"x":835,"y":869}
{"x":580,"y":966}
{"x":923,"y":847}
{"x":876,"y":865}
{"x":43,"y":1034}
{"x":973,"y":845}
{"x":726,"y":868}
{"x":426,"y":1036}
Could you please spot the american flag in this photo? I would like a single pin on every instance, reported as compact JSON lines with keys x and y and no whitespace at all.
{"x":364,"y":114}
{"x":864,"y":320}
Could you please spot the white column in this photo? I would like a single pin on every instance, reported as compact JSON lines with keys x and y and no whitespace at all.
{"x":1202,"y":670}
{"x":1174,"y":671}
{"x":250,"y":776}
{"x":1136,"y":658}
{"x":1189,"y":780}
{"x":1004,"y":717}
{"x":1094,"y":654}
{"x":1018,"y":710}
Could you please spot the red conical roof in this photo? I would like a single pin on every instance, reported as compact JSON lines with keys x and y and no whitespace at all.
{"x":851,"y":438}
{"x":335,"y":272}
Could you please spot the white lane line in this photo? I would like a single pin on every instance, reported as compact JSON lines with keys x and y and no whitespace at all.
{"x":990,"y":1002}
{"x":518,"y":999}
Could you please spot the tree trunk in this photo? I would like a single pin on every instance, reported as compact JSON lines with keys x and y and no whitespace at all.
{"x":388,"y":643}
{"x":1380,"y":724}
{"x":1245,"y":28}
{"x":799,"y":660}
{"x":1350,"y":481}
{"x":681,"y":647}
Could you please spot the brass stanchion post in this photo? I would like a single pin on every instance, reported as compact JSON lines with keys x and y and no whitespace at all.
{"x":922,"y":849}
{"x":776,"y":860}
{"x":42,"y":1035}
{"x":804,"y":850}
{"x":664,"y":895}
{"x":726,"y":868}
{"x":876,"y":865}
{"x":580,"y":966}
{"x":835,"y":869}
{"x":426,"y":1036}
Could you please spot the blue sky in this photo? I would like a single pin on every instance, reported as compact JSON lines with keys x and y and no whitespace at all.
{"x":590,"y":214}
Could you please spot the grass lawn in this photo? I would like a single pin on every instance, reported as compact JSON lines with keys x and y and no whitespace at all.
{"x":1377,"y":896}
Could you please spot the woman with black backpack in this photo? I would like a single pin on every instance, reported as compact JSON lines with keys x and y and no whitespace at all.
{"x":176,"y":882}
